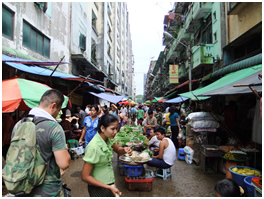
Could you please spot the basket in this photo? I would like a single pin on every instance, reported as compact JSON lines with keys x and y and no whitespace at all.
{"x":133,"y":171}
{"x":139,"y":184}
{"x":207,"y":149}
{"x":239,"y":178}
{"x":249,"y":186}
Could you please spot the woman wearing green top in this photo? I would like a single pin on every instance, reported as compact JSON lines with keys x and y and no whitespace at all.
{"x":140,"y":114}
{"x":97,"y":169}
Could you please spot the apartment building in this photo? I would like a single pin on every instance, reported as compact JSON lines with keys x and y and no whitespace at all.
{"x":93,"y":37}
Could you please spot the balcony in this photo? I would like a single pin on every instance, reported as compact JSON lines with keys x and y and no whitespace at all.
{"x":202,"y":55}
{"x":200,"y":9}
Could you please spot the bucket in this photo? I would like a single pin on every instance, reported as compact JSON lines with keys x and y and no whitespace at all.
{"x":250,"y":187}
{"x":239,"y":178}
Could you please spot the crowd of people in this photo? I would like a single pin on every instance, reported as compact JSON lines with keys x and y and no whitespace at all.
{"x":96,"y":126}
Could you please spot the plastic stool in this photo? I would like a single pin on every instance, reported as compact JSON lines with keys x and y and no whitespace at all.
{"x":181,"y":154}
{"x":166,"y":173}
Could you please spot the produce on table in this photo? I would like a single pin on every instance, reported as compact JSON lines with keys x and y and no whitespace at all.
{"x":126,"y":134}
{"x":246,"y":171}
{"x":235,"y":156}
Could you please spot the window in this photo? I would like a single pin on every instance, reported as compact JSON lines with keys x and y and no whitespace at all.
{"x":214,"y":16}
{"x":94,"y":18}
{"x":207,"y":31}
{"x":7,"y":22}
{"x":215,"y":37}
{"x":82,"y":42}
{"x":35,"y":40}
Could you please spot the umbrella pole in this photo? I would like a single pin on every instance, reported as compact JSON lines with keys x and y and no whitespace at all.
{"x":54,"y":69}
{"x":78,"y":85}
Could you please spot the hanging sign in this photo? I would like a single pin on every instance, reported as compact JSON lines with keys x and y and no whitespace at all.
{"x":174,"y":74}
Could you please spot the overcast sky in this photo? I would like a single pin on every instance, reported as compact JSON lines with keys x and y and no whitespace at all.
{"x":146,"y":27}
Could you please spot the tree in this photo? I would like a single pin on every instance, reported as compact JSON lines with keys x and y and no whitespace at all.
{"x":139,"y":99}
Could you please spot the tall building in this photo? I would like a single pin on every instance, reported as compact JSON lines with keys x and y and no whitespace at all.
{"x":93,"y":37}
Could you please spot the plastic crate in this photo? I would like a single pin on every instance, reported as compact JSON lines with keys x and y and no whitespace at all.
{"x":212,"y":153}
{"x":121,"y":169}
{"x":139,"y":184}
{"x":133,"y":171}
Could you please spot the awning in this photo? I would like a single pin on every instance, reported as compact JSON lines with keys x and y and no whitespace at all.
{"x":176,"y":100}
{"x":6,"y":58}
{"x":251,"y":80}
{"x":227,"y":79}
{"x":179,"y":86}
{"x":111,"y":98}
{"x":156,"y":99}
{"x":170,"y":94}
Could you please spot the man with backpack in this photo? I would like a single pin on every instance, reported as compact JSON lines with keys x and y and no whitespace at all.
{"x":50,"y":144}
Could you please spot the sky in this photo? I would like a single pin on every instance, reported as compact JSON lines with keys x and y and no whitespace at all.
{"x":146,"y":27}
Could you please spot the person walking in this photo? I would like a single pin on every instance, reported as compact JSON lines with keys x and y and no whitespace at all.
{"x":90,"y":125}
{"x":175,"y":125}
{"x":114,"y":110}
{"x":52,"y":143}
{"x":81,"y":114}
{"x":97,"y":169}
{"x":140,"y":115}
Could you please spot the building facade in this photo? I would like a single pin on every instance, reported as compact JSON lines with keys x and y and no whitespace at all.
{"x":203,"y":38}
{"x":93,"y":37}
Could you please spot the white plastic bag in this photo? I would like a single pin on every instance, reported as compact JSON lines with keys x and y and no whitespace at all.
{"x":189,"y":154}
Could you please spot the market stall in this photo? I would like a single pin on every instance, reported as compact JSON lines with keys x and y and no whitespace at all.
{"x":132,"y":167}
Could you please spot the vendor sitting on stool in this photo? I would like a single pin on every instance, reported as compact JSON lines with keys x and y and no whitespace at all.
{"x":167,"y":152}
{"x":154,"y":142}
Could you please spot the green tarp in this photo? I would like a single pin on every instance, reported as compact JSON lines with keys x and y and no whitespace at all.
{"x":227,"y":79}
{"x":156,"y":99}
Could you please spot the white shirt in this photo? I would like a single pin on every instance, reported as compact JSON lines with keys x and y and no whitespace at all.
{"x":123,"y":110}
{"x":154,"y":141}
{"x":169,"y":155}
{"x":87,"y":111}
{"x":41,"y":113}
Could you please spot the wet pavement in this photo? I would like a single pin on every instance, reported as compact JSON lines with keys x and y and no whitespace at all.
{"x":187,"y":181}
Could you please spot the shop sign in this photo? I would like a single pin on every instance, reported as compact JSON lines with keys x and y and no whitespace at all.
{"x":174,"y":74}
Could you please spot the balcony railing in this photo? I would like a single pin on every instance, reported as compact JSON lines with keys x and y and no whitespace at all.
{"x":202,"y":55}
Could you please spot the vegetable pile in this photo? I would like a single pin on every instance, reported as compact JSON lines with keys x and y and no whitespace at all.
{"x":129,"y":134}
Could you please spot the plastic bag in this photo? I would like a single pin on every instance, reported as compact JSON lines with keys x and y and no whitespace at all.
{"x":189,"y":154}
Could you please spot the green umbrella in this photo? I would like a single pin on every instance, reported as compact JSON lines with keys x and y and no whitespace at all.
{"x":22,"y":94}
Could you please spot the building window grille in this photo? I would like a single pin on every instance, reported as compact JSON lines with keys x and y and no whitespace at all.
{"x":7,"y":22}
{"x":35,"y":40}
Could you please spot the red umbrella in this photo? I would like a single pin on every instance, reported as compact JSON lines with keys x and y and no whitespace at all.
{"x":22,"y":94}
{"x":161,"y":100}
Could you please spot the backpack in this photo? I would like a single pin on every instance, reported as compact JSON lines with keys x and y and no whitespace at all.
{"x":25,"y":168}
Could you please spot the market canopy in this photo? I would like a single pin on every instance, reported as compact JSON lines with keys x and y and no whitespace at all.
{"x":229,"y":89}
{"x":22,"y":94}
{"x":176,"y":100}
{"x":227,"y":79}
{"x":156,"y":99}
{"x":111,"y":98}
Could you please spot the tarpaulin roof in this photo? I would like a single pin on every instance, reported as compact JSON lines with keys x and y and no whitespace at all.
{"x":156,"y":99}
{"x":107,"y":97}
{"x":229,"y":89}
{"x":176,"y":100}
{"x":227,"y":79}
{"x":18,"y":64}
{"x":6,"y":58}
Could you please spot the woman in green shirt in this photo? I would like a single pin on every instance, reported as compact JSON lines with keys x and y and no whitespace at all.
{"x":97,"y":169}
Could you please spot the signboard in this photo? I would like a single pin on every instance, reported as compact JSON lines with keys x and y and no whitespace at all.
{"x":174,"y":74}
{"x":119,"y":89}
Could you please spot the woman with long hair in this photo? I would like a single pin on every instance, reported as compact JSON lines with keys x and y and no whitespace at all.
{"x":97,"y":169}
{"x":90,"y":125}
{"x":175,"y":125}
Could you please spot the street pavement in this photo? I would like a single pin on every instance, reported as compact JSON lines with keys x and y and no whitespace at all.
{"x":187,"y":181}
